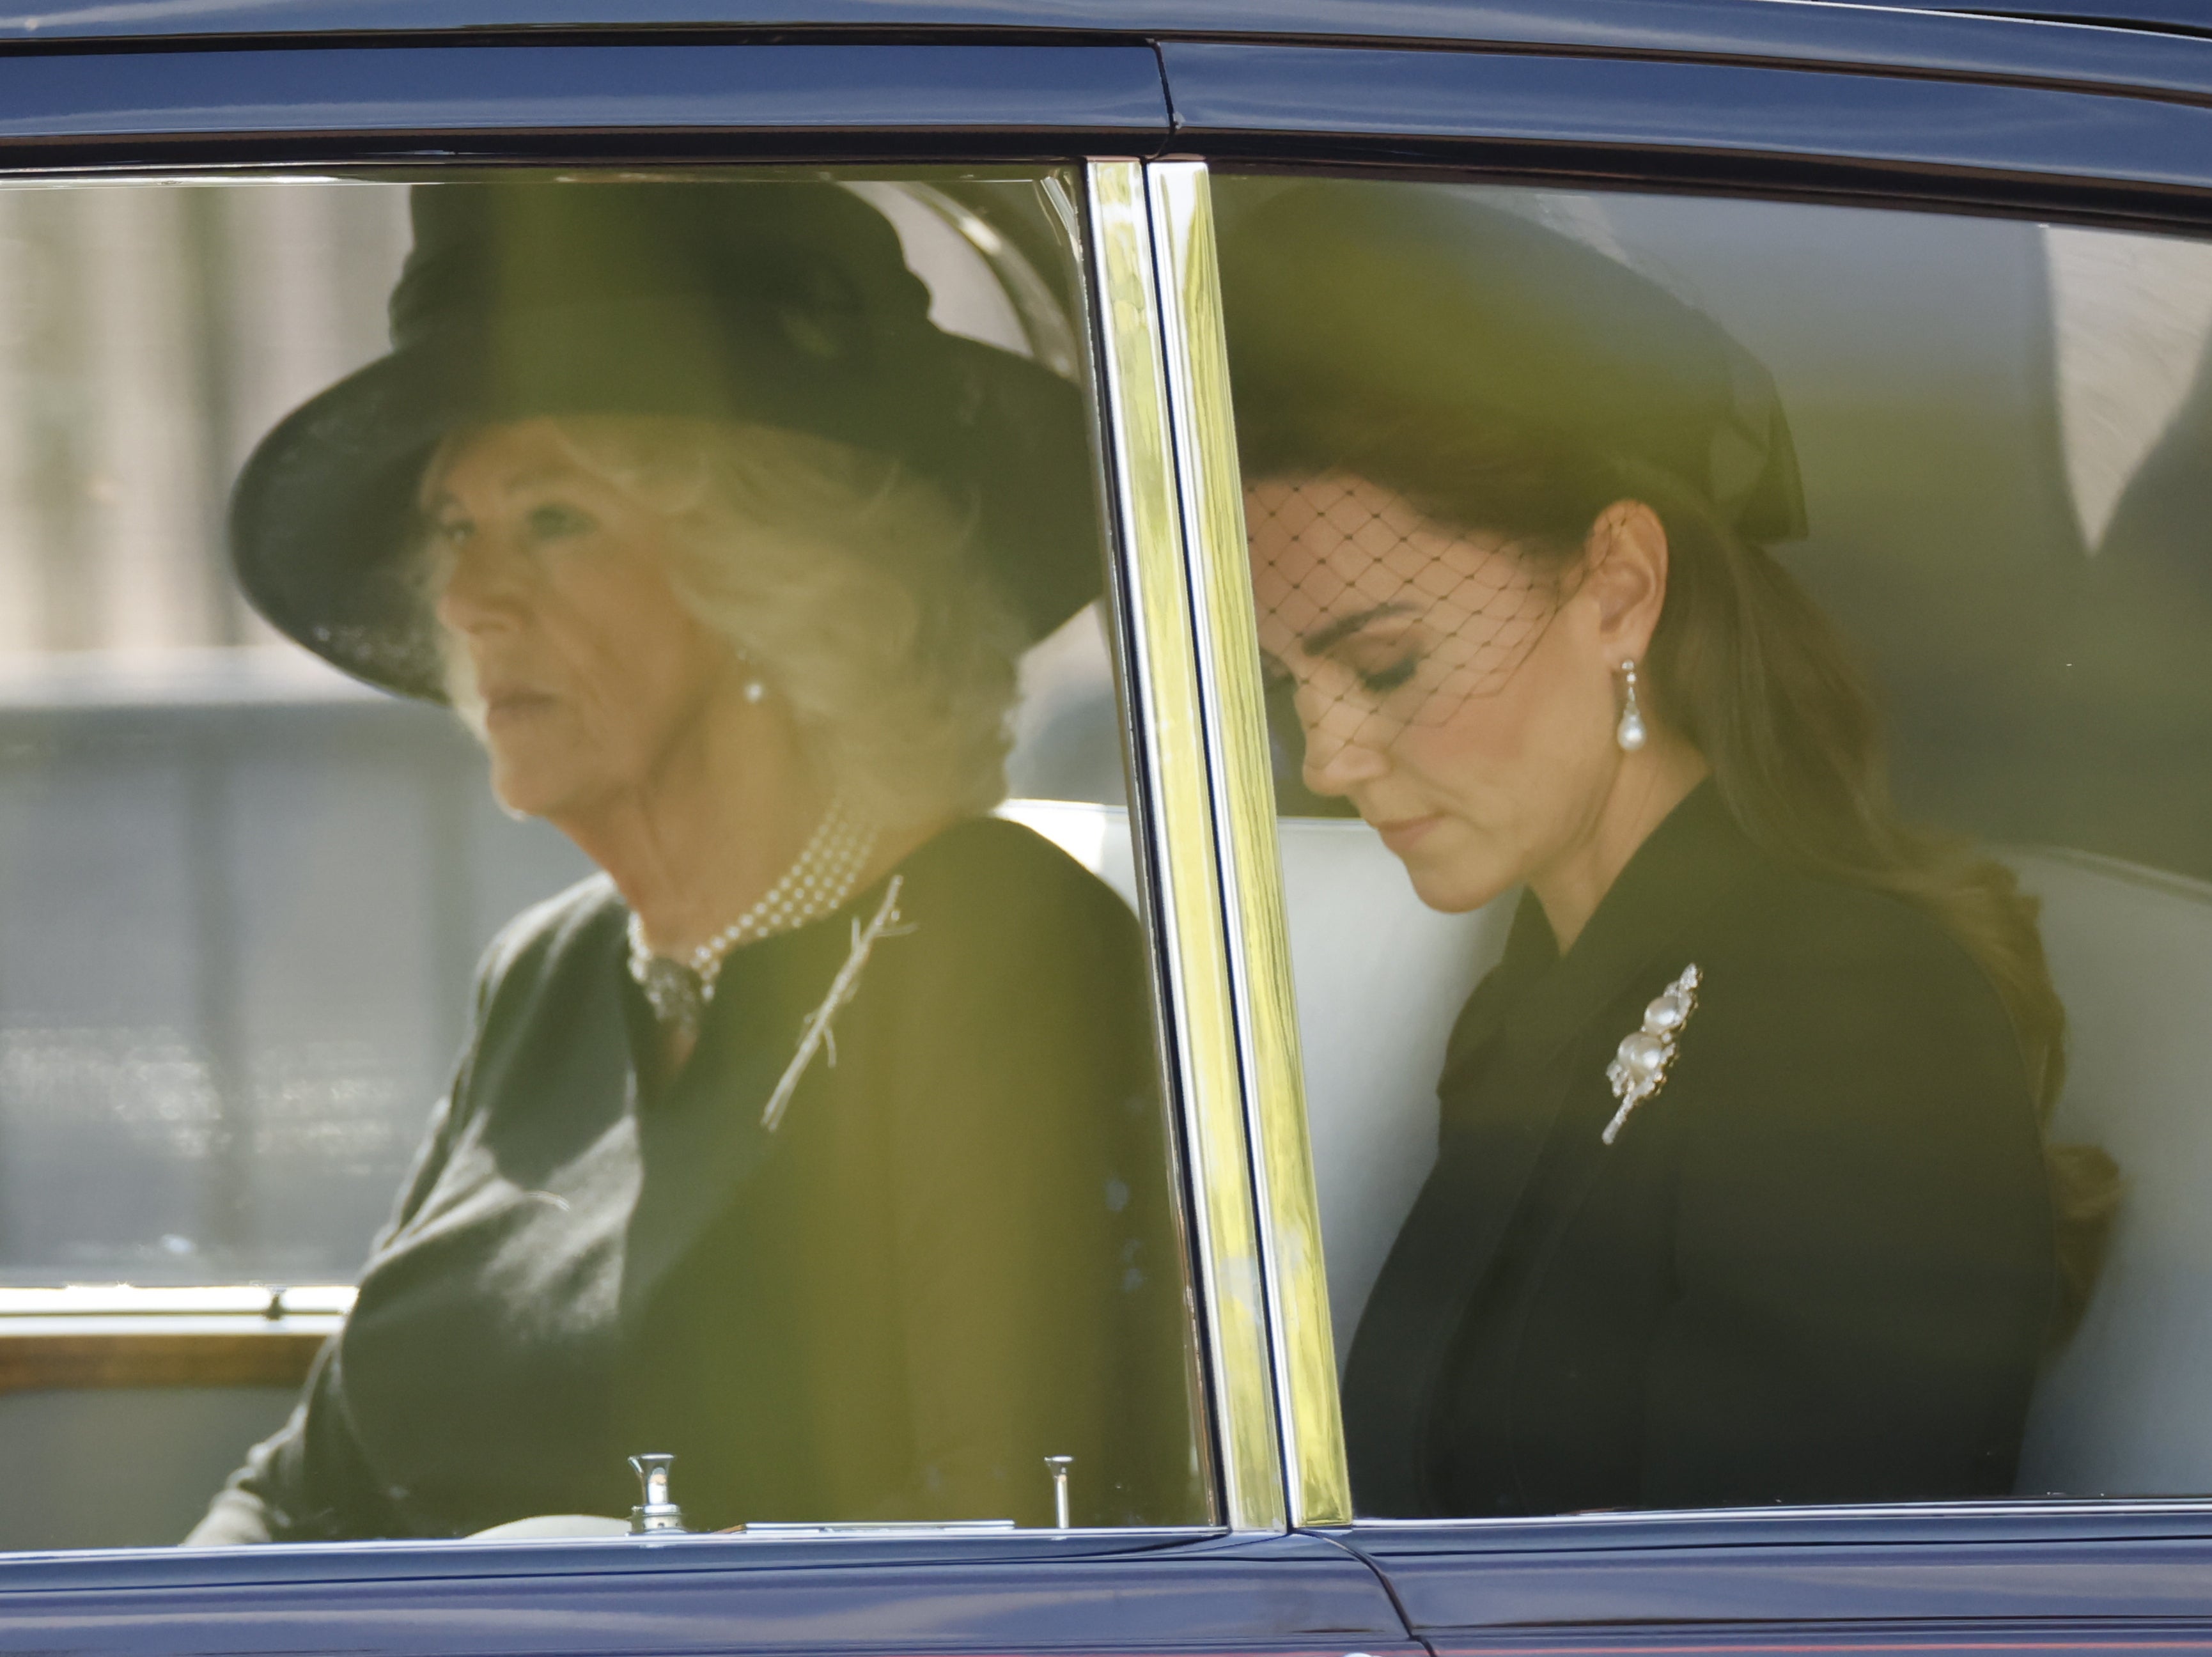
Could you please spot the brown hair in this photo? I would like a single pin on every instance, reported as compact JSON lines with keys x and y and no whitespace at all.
{"x":1746,"y":667}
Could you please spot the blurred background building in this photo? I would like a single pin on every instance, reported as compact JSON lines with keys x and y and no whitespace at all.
{"x":239,"y":896}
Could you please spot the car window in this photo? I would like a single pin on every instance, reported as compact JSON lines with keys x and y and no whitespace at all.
{"x":1736,"y":685}
{"x":563,"y":789}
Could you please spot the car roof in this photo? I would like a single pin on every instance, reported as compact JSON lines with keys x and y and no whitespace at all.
{"x":2182,"y":17}
{"x":1707,"y":25}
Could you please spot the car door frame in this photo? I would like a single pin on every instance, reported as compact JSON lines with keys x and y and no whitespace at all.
{"x":1925,"y":133}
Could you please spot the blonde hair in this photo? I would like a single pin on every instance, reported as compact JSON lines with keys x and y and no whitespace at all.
{"x":845,"y":581}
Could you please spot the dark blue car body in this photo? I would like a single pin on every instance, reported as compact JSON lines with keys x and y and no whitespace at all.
{"x":2101,"y":114}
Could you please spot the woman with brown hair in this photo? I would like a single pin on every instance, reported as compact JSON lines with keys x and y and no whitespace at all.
{"x":1742,"y":1194}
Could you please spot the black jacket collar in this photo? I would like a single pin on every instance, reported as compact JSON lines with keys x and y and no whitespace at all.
{"x":1537,"y":999}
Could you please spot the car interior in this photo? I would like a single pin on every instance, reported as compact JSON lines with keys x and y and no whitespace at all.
{"x":1996,"y":529}
{"x":1902,"y":342}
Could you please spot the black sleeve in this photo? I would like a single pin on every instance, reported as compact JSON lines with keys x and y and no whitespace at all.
{"x":306,"y":1483}
{"x":1862,"y":1254}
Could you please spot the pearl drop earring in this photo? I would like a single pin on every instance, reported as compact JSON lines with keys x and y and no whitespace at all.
{"x":1630,"y":732}
{"x":755,"y":692}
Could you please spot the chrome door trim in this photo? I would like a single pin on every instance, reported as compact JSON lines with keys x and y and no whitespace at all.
{"x":1232,"y":703}
{"x":1179,"y":824}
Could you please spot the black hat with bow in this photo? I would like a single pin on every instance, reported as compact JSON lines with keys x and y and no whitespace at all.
{"x":1416,"y":298}
{"x":774,"y":304}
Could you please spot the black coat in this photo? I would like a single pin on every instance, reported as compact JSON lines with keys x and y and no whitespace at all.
{"x":956,"y":1255}
{"x":1817,"y":1265}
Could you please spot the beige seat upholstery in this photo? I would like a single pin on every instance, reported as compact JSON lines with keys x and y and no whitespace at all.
{"x":1381,"y":979}
{"x":2123,"y":1409}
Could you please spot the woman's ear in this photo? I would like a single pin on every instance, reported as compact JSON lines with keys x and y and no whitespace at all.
{"x":1625,"y":564}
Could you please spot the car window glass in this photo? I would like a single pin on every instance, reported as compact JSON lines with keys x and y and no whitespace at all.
{"x":1749,"y":1041}
{"x":730,"y":1034}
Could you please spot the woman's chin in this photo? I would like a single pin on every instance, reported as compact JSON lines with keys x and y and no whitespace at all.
{"x":514,"y":803}
{"x":525,"y":789}
{"x":1457,"y":886}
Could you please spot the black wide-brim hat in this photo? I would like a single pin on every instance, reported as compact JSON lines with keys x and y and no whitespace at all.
{"x":1418,"y":298}
{"x":774,"y":304}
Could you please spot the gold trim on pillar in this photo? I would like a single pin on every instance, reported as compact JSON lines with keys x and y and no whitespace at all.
{"x":1179,"y":823}
{"x":1232,"y":701}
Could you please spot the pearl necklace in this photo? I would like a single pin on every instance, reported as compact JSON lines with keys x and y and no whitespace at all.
{"x":816,"y":884}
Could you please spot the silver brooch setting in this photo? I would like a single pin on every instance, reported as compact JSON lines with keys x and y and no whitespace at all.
{"x":1640,"y":1064}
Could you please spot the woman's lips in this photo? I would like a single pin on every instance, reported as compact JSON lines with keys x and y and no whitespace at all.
{"x":506,"y":707}
{"x":1404,"y":833}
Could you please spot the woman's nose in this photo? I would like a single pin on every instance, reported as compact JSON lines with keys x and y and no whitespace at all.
{"x":1342,"y":749}
{"x":480,"y":588}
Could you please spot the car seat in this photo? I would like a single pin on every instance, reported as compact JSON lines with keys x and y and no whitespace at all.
{"x":2120,"y":1409}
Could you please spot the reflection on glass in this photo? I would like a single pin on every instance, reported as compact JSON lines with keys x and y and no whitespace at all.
{"x":1603,"y":548}
{"x":807,"y":1125}
{"x":178,"y":1103}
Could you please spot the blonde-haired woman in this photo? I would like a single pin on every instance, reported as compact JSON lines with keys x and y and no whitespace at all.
{"x":814,"y":1142}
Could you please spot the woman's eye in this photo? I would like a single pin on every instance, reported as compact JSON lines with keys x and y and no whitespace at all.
{"x":1383,"y":680}
{"x":453,"y":531}
{"x":554,"y":522}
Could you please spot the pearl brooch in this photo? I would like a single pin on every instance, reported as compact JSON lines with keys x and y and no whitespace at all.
{"x":1640,"y":1064}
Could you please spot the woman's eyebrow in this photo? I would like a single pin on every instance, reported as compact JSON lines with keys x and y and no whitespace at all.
{"x":551,"y":472}
{"x":1323,"y":639}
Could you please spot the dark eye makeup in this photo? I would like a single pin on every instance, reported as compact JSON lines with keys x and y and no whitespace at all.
{"x":1383,"y":680}
{"x":553,"y":521}
{"x":1385,"y":655}
{"x":1382,"y":648}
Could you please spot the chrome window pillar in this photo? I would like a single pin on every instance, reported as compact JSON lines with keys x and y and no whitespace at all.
{"x":1177,"y":816}
{"x":1231,"y":700}
{"x":1211,"y":837}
